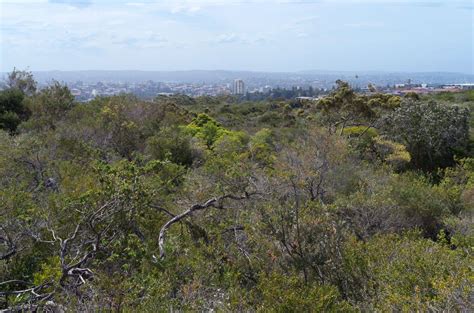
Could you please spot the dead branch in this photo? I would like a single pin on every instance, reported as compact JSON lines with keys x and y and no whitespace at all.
{"x":214,"y":202}
{"x":9,"y":243}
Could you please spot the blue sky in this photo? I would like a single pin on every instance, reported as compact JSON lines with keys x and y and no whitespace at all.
{"x":258,"y":35}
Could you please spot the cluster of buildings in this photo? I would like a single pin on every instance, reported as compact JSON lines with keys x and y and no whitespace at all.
{"x":88,"y":91}
{"x":401,"y":89}
{"x":147,"y":90}
{"x":150,"y":89}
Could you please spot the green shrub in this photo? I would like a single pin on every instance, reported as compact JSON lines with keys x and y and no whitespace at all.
{"x":284,"y":293}
{"x":408,"y":273}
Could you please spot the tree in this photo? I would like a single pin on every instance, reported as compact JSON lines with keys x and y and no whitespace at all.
{"x":343,"y":107}
{"x":171,"y":144}
{"x":12,"y":109}
{"x":50,"y":105}
{"x":206,"y":128}
{"x":23,"y":81}
{"x":432,"y":133}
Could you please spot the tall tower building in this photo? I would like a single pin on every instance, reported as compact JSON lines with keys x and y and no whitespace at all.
{"x":239,"y":87}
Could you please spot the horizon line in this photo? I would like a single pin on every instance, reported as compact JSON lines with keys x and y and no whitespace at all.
{"x":247,"y":71}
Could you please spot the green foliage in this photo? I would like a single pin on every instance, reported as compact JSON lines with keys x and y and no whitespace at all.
{"x":172,"y":144}
{"x":280,"y":206}
{"x":454,"y":97}
{"x":357,"y":131}
{"x":125,"y":132}
{"x":270,"y":118}
{"x":22,"y":81}
{"x":412,"y":96}
{"x":405,"y":273}
{"x":49,"y":106}
{"x":261,"y":147}
{"x":390,"y":152}
{"x":344,"y":107}
{"x":368,"y":144}
{"x":281,"y":293}
{"x":12,"y":109}
{"x":420,"y":203}
{"x":207,"y":129}
{"x":50,"y":272}
{"x":432,"y":133}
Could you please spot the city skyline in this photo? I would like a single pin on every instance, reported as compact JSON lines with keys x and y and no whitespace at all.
{"x":259,"y":35}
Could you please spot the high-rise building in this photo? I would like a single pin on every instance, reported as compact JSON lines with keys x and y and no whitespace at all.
{"x":239,"y":87}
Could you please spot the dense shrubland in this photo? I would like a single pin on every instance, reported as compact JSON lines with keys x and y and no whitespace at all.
{"x":353,"y":203}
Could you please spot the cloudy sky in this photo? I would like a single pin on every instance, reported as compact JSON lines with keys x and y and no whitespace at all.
{"x":258,"y":35}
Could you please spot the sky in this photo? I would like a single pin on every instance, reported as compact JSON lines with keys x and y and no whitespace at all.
{"x":254,"y":35}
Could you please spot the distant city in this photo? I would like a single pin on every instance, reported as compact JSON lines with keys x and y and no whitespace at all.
{"x":86,"y":85}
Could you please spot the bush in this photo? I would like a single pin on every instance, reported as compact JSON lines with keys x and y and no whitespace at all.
{"x":432,"y":133}
{"x":12,"y":109}
{"x":408,"y":273}
{"x":171,"y":144}
{"x":284,"y":293}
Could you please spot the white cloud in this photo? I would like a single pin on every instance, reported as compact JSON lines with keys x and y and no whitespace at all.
{"x":227,"y":38}
{"x":190,"y":33}
{"x":135,"y":4}
{"x":364,"y":25}
{"x":22,"y":1}
{"x":241,"y":39}
{"x":185,"y":9}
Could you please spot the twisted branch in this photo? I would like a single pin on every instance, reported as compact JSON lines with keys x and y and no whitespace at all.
{"x":213,"y":202}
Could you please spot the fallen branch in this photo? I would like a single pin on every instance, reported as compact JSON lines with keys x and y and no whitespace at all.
{"x":214,"y":202}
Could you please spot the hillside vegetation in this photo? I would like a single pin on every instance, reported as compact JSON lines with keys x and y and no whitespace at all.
{"x":347,"y":204}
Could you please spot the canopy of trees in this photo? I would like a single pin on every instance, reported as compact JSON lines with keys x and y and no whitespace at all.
{"x":352,"y":203}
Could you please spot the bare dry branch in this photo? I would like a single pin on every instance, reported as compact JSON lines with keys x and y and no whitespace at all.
{"x":213,"y":202}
